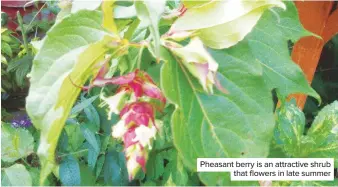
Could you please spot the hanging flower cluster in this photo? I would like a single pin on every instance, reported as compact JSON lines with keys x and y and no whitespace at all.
{"x":136,"y":102}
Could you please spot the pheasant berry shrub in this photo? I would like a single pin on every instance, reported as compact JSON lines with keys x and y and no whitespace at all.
{"x":133,"y":92}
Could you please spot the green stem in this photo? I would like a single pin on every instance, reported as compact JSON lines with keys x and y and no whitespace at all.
{"x":23,"y":31}
{"x":140,"y":57}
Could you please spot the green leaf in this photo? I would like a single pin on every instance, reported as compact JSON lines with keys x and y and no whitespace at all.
{"x":175,"y":172}
{"x":83,"y":104}
{"x":93,"y":116}
{"x":239,"y":124}
{"x":154,"y":72}
{"x":75,"y":137}
{"x":92,"y":157}
{"x":87,"y":176}
{"x":115,"y":171}
{"x":21,"y":67}
{"x":70,"y":171}
{"x":99,"y":165}
{"x":235,"y":19}
{"x":69,"y":52}
{"x":106,"y":140}
{"x":108,"y":19}
{"x":90,"y":137}
{"x":149,"y":12}
{"x":93,"y":147}
{"x":324,"y":133}
{"x":155,"y":166}
{"x":276,"y":151}
{"x":268,"y":42}
{"x":16,"y":175}
{"x":321,"y":140}
{"x":290,"y":128}
{"x":15,"y":143}
{"x":6,"y":49}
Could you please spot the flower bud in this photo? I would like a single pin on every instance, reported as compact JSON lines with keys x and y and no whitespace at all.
{"x":119,"y":129}
{"x":136,"y":159}
{"x":199,"y":62}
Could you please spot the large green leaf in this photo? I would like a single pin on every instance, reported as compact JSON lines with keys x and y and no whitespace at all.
{"x":108,"y":18}
{"x":269,"y":43}
{"x":15,"y":143}
{"x":238,"y":125}
{"x":321,"y":140}
{"x":68,"y":53}
{"x":155,"y":166}
{"x":290,"y":128}
{"x":70,"y":171}
{"x":324,"y":132}
{"x":115,"y":171}
{"x":16,"y":175}
{"x":175,"y":174}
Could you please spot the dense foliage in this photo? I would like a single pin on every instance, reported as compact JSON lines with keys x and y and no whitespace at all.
{"x":133,"y":92}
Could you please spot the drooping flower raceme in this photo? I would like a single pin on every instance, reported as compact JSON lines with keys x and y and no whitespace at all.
{"x":133,"y":102}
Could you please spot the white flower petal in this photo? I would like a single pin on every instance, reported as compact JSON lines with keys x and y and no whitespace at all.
{"x":144,"y":135}
{"x":132,"y":166}
{"x":114,"y":102}
{"x":119,"y":129}
{"x":132,"y":152}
